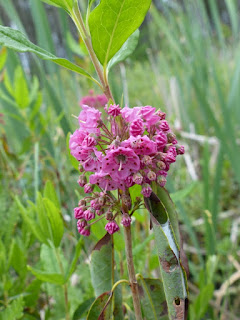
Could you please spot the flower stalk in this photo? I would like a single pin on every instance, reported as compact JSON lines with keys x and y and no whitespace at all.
{"x":131,"y":272}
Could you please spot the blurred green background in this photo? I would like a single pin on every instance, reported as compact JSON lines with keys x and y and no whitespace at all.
{"x":188,"y":64}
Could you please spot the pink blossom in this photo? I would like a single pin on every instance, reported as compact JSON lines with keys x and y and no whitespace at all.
{"x":104,"y":181}
{"x":95,"y":204}
{"x":102,"y":99}
{"x":141,"y":145}
{"x":120,"y":163}
{"x":114,"y":110}
{"x":161,"y":114}
{"x":88,"y":119}
{"x":111,"y":227}
{"x":148,"y":114}
{"x":136,"y":127}
{"x":79,"y":212}
{"x":90,"y":158}
{"x":129,"y":181}
{"x":75,"y":142}
{"x":130,"y":114}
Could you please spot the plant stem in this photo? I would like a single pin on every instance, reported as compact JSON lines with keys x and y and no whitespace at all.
{"x":65,"y":289}
{"x":131,"y":273}
{"x":78,"y":20}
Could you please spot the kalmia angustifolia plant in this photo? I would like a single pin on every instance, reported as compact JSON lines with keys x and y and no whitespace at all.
{"x":121,"y":147}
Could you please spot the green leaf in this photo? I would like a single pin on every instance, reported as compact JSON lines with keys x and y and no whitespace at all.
{"x":3,"y":57}
{"x":73,"y":265}
{"x":97,"y":307}
{"x":112,"y":22}
{"x":16,"y":40}
{"x":55,"y":278}
{"x":84,"y":307}
{"x":13,"y":311}
{"x":31,"y":223}
{"x":65,"y":4}
{"x":172,"y":271}
{"x":101,"y":265}
{"x":50,"y":193}
{"x":21,"y":92}
{"x":200,"y":305}
{"x":126,"y":50}
{"x":56,"y":221}
{"x":153,"y":299}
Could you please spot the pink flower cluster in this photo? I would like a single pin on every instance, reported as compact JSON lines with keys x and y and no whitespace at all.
{"x":136,"y":147}
{"x":94,"y":101}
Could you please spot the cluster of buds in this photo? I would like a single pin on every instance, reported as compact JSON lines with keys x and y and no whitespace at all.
{"x":94,"y":101}
{"x":136,"y":147}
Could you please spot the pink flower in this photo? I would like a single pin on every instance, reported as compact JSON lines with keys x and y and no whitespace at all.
{"x":136,"y":127}
{"x":120,"y":163}
{"x":90,"y":158}
{"x":114,"y":110}
{"x":95,"y":204}
{"x":170,"y":157}
{"x":111,"y":227}
{"x":148,"y":114}
{"x":89,"y":214}
{"x":78,"y":212}
{"x":141,"y":145}
{"x":104,"y":181}
{"x":130,"y":114}
{"x":88,"y":119}
{"x":161,"y":114}
{"x":75,"y":142}
{"x":102,"y":100}
{"x":89,"y":141}
{"x":129,"y":181}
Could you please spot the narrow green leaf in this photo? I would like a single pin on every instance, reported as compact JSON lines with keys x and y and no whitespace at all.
{"x":126,"y":50}
{"x":97,"y":307}
{"x":65,"y":4}
{"x":31,"y":223}
{"x":153,"y":299}
{"x":3,"y":57}
{"x":50,"y":193}
{"x":55,"y":278}
{"x":112,"y":22}
{"x":73,"y":265}
{"x":56,"y":221}
{"x":15,"y":40}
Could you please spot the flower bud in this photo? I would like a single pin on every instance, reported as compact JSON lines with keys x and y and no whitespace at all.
{"x":161,"y":165}
{"x":85,"y":232}
{"x":180,"y":149}
{"x":126,"y":220}
{"x":111,"y":227}
{"x":89,"y":214}
{"x":101,"y":201}
{"x":171,"y":137}
{"x":78,"y":213}
{"x":151,"y":175}
{"x":82,"y":180}
{"x":161,"y":114}
{"x":109,"y":215}
{"x":137,"y":178}
{"x":146,"y":190}
{"x":161,"y":180}
{"x":100,"y":212}
{"x":81,"y":224}
{"x":82,"y":202}
{"x":88,"y":188}
{"x":147,"y":160}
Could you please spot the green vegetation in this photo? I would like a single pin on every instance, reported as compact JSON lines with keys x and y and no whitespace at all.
{"x":187,"y":63}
